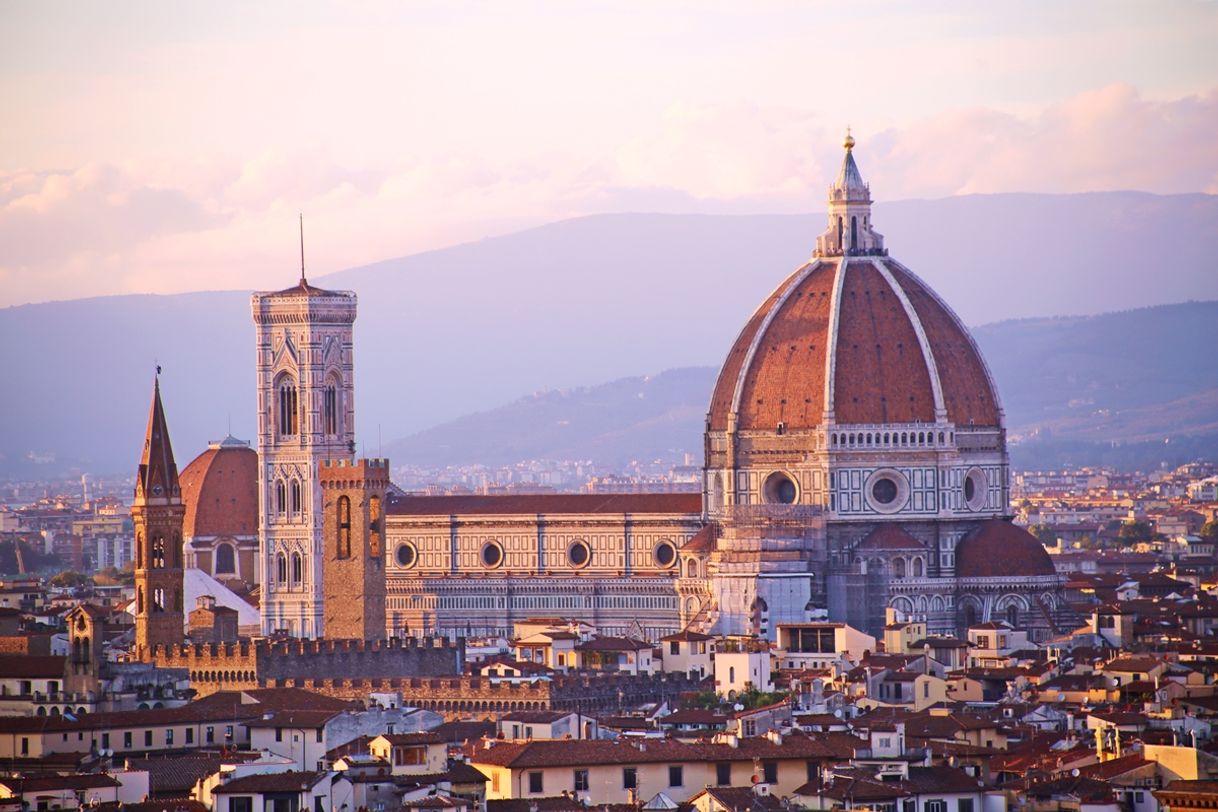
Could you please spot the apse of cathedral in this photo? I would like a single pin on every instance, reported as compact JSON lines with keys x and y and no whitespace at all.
{"x":855,"y":461}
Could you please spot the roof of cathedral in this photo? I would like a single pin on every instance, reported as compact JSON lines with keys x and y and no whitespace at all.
{"x":1000,"y":549}
{"x":574,"y":503}
{"x":158,"y":473}
{"x":890,"y":537}
{"x":857,"y":338}
{"x":220,"y":491}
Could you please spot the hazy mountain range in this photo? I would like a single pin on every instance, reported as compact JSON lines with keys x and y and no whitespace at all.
{"x":1084,"y":389}
{"x":583,"y":301}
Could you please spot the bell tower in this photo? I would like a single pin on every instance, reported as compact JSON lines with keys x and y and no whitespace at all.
{"x":306,"y":414}
{"x":157,"y":512}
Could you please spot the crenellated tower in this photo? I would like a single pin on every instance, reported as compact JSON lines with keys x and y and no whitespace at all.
{"x":306,"y":414}
{"x":157,"y":512}
{"x":353,"y":557}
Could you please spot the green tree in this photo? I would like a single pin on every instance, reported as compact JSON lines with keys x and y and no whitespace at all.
{"x":1136,"y":532}
{"x":69,"y":578}
{"x":1209,"y":531}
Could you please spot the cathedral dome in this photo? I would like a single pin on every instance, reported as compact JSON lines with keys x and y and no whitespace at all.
{"x":999,"y":549}
{"x":220,"y":491}
{"x":853,"y":337}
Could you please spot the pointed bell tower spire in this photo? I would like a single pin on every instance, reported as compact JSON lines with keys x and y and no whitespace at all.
{"x":849,"y":232}
{"x":158,"y":473}
{"x":157,"y":513}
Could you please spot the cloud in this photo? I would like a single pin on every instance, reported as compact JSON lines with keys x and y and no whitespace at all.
{"x":220,"y":223}
{"x":1105,"y":139}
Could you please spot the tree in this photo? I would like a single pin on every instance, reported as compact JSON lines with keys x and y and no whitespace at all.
{"x":1136,"y":532}
{"x":69,"y":579}
{"x":1209,"y":531}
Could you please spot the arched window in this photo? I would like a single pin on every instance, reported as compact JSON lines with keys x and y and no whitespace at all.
{"x":295,"y":497}
{"x":226,"y":559}
{"x":374,"y":526}
{"x":898,"y":567}
{"x":297,"y":569}
{"x":287,"y":411}
{"x":344,"y":527}
{"x":281,"y":568}
{"x":158,"y":553}
{"x":839,"y":233}
{"x":158,"y":600}
{"x":917,"y":567}
{"x":139,"y":601}
{"x":281,"y":497}
{"x":854,"y":233}
{"x":1013,"y":615}
{"x":691,"y":568}
{"x":330,"y":410}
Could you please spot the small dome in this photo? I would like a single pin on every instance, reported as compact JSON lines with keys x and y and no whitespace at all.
{"x":999,"y":549}
{"x":220,"y":491}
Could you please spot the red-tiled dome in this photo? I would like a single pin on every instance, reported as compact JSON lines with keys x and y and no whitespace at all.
{"x":220,"y":491}
{"x":999,"y":549}
{"x":868,"y":361}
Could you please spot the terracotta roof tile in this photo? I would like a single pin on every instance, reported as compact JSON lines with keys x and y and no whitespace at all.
{"x":1001,"y":549}
{"x":550,"y":503}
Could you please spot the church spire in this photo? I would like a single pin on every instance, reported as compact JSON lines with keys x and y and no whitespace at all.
{"x":849,"y":232}
{"x":158,"y":473}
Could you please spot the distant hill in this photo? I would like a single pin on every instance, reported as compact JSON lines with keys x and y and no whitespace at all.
{"x":574,"y":303}
{"x":1135,"y":389}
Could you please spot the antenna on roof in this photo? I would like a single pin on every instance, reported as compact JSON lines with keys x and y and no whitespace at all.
{"x":302,"y":267}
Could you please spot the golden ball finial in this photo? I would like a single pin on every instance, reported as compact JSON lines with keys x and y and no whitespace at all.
{"x":848,"y":143}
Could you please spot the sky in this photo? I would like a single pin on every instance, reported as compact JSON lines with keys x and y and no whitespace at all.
{"x":170,"y":146}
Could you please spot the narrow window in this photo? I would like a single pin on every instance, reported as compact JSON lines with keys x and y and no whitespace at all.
{"x":297,"y":569}
{"x":374,"y":526}
{"x":296,"y":496}
{"x":287,"y":408}
{"x":281,"y":497}
{"x":281,"y":568}
{"x":331,"y":409}
{"x":344,"y":527}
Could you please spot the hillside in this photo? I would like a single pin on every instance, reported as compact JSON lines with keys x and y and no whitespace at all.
{"x":573,"y":303}
{"x":1101,"y":389}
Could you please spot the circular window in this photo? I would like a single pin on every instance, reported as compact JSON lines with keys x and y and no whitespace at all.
{"x":780,"y":489}
{"x":492,"y":554}
{"x":975,"y":488}
{"x":887,"y":491}
{"x":884,"y":491}
{"x":406,"y":555}
{"x":666,"y":554}
{"x":578,"y":554}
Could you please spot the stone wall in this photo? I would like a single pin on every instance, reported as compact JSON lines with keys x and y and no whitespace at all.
{"x":216,"y":667}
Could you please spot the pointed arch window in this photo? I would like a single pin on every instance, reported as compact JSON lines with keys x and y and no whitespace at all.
{"x":374,"y":527}
{"x":281,"y":569}
{"x":286,"y":411}
{"x":158,"y":600}
{"x":330,"y":409}
{"x":297,"y":569}
{"x":295,"y":497}
{"x":344,"y":527}
{"x":281,"y":497}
